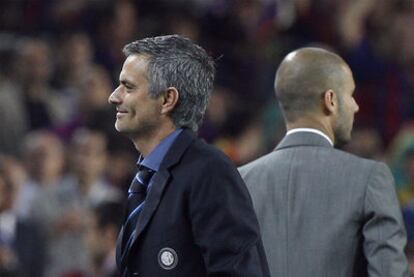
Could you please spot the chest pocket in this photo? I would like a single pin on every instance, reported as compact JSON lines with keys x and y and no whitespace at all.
{"x":173,"y":254}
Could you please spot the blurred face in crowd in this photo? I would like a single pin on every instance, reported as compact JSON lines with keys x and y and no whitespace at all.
{"x":7,"y":194}
{"x":89,"y":154}
{"x":95,"y":86}
{"x":44,"y":156}
{"x":78,"y":50}
{"x":347,"y":107}
{"x":404,"y":34}
{"x":123,"y":24}
{"x":138,"y":114}
{"x":34,"y":62}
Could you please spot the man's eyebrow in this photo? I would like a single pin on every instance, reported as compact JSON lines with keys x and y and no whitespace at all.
{"x":125,"y":82}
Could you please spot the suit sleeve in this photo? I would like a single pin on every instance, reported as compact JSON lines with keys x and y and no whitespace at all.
{"x":224,"y":224}
{"x":383,"y":230}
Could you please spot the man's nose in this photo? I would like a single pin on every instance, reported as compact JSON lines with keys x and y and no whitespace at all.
{"x":356,"y":106}
{"x":114,"y":97}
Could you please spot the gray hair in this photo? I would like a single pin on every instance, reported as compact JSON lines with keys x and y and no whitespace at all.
{"x":175,"y":61}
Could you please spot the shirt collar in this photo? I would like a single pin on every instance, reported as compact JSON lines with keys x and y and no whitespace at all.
{"x":309,"y":130}
{"x":154,"y":159}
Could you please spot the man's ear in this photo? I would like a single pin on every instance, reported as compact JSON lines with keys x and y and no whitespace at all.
{"x":169,"y":100}
{"x":329,"y":102}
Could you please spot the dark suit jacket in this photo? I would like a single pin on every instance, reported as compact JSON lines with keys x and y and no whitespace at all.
{"x":324,"y":212}
{"x":200,"y":212}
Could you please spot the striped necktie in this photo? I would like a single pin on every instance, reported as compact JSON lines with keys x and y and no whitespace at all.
{"x":136,"y":201}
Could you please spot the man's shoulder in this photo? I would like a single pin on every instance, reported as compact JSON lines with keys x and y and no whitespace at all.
{"x":350,"y":158}
{"x":204,"y":164}
{"x":201,"y":147}
{"x":326,"y":156}
{"x":260,"y":163}
{"x":201,"y":153}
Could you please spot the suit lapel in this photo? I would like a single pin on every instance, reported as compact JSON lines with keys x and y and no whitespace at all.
{"x":118,"y":247}
{"x":158,"y":184}
{"x":178,"y":148}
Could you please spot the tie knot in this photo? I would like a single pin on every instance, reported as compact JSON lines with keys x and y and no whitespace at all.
{"x":141,"y":180}
{"x":144,"y":175}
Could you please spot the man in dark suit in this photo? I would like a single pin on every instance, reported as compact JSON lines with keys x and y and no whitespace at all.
{"x":323,"y":212}
{"x":189,"y":212}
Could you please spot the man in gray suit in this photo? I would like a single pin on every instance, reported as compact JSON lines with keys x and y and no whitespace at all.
{"x":323,"y":212}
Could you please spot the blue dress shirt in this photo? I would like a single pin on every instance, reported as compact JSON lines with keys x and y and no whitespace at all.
{"x":154,"y":159}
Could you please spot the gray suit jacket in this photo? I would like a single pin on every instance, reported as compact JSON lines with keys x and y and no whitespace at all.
{"x":326,"y":213}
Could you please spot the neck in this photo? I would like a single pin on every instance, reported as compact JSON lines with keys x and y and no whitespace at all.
{"x":312,"y":122}
{"x":145,"y":144}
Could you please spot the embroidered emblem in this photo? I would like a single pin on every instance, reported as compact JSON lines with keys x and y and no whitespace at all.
{"x":167,"y":258}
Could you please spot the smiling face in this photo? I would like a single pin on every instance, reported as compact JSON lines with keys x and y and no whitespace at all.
{"x":138,"y":114}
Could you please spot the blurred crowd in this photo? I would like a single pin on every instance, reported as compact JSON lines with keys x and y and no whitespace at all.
{"x":63,"y":168}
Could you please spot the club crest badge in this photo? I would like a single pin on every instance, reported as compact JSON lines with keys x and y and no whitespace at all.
{"x":167,"y":258}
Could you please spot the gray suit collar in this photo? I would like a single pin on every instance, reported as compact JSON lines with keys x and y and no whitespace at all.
{"x":303,"y":139}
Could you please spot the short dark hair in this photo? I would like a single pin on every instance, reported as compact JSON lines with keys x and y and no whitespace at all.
{"x":302,"y":78}
{"x":175,"y":61}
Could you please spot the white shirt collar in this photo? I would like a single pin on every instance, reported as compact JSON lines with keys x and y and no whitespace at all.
{"x":310,"y":130}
